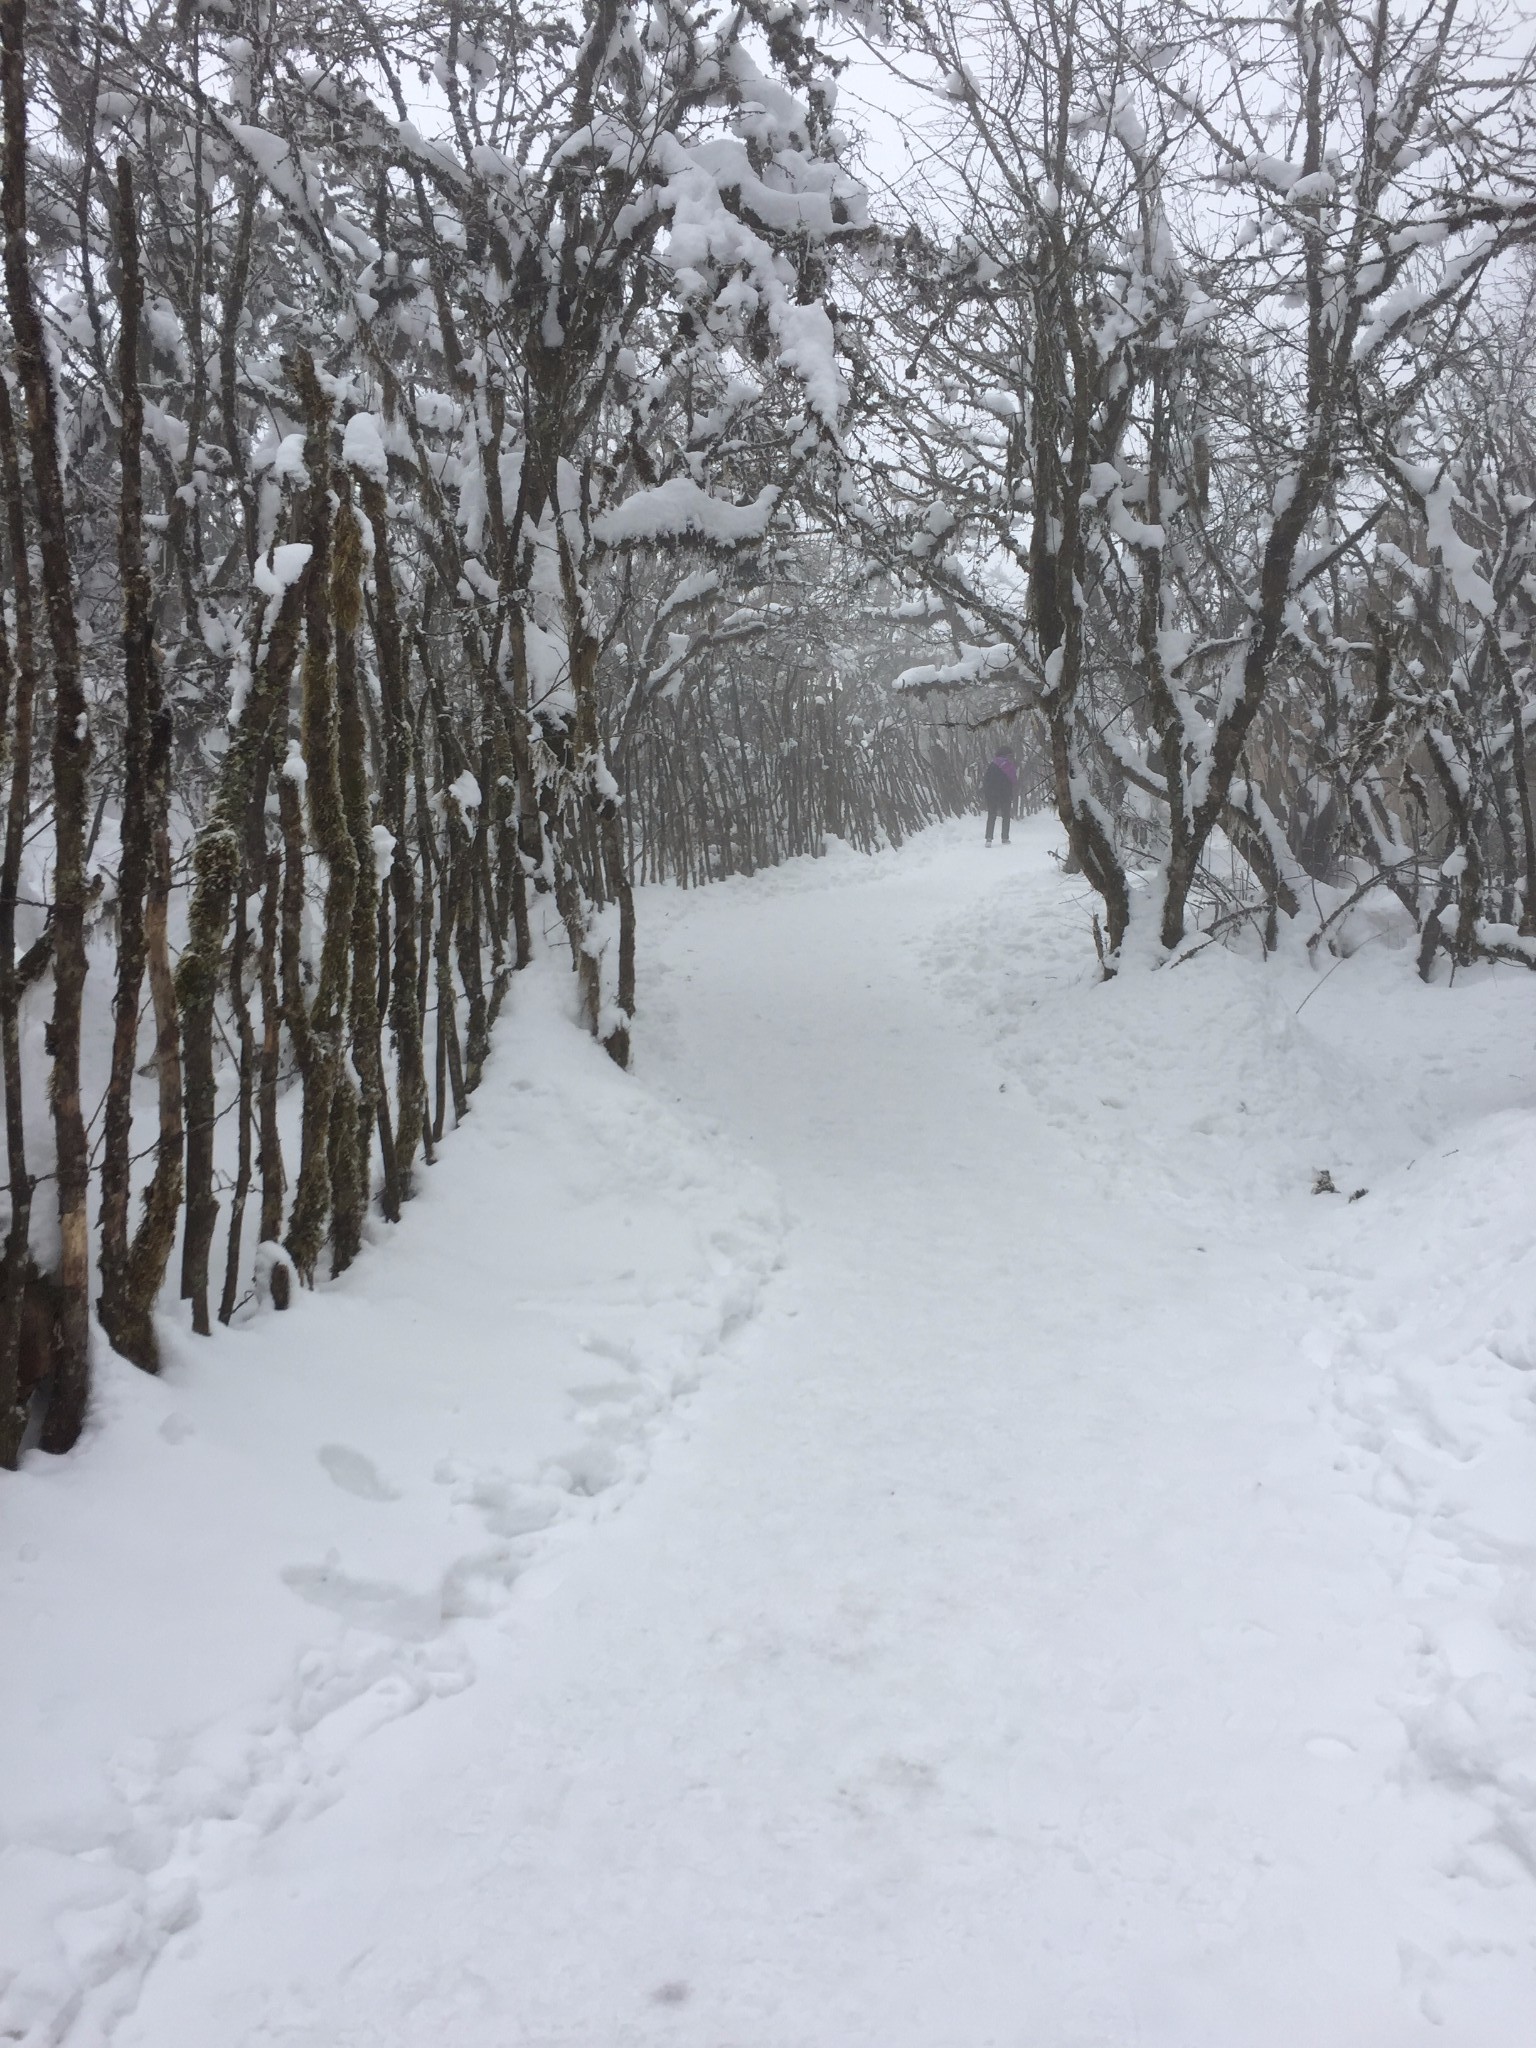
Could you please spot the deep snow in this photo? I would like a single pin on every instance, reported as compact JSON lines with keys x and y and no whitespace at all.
{"x":1082,"y":1590}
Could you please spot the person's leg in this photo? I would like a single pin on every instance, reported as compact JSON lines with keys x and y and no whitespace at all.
{"x":1007,"y":817}
{"x":991,"y":821}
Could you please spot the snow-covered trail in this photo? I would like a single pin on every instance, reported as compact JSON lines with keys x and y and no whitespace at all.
{"x":1006,"y":1646}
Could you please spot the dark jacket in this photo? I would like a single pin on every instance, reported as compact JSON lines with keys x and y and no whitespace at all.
{"x":997,"y":788}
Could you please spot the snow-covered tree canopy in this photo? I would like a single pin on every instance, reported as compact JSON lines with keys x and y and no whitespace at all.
{"x":1171,"y":335}
{"x":424,"y":323}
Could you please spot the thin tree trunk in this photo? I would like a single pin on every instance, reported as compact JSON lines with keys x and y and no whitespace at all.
{"x":432,"y":1126}
{"x":18,"y":675}
{"x":618,"y":1039}
{"x":1513,"y":705}
{"x":270,"y":1154}
{"x":131,"y":1334}
{"x":391,"y":1194}
{"x":150,"y":1253}
{"x":322,"y":1078}
{"x":405,"y":1016}
{"x":450,"y":1069}
{"x":247,"y":1042}
{"x":71,"y":757}
{"x":468,"y":946}
{"x":355,"y":1109}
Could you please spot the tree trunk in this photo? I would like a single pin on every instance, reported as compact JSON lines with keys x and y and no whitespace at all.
{"x":18,"y":679}
{"x":1512,"y":702}
{"x":270,"y":1153}
{"x":132,"y":1334}
{"x":246,"y":1038}
{"x":313,"y":1194}
{"x":150,"y":1252}
{"x":357,"y":1107}
{"x":404,"y":1010}
{"x":71,"y":757}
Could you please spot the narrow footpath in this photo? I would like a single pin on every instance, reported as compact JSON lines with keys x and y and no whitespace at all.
{"x":1007,"y":1646}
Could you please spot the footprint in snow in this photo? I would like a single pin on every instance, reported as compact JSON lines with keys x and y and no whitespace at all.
{"x":378,"y":1604}
{"x":354,"y":1473}
{"x":586,"y":1472}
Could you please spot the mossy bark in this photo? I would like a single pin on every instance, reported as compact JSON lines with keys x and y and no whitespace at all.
{"x":350,"y":1149}
{"x":128,"y":1322}
{"x":324,"y":1084}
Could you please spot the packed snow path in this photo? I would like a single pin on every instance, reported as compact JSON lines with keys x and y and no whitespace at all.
{"x":1014,"y":1640}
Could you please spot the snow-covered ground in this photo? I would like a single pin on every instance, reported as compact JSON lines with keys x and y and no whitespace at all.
{"x":903,"y":1524}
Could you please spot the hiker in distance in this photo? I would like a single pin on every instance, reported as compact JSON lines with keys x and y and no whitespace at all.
{"x":999,"y":786}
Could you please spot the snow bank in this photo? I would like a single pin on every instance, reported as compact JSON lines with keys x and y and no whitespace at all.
{"x":1430,"y":1355}
{"x":1200,"y":1076}
{"x":292,"y":1538}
